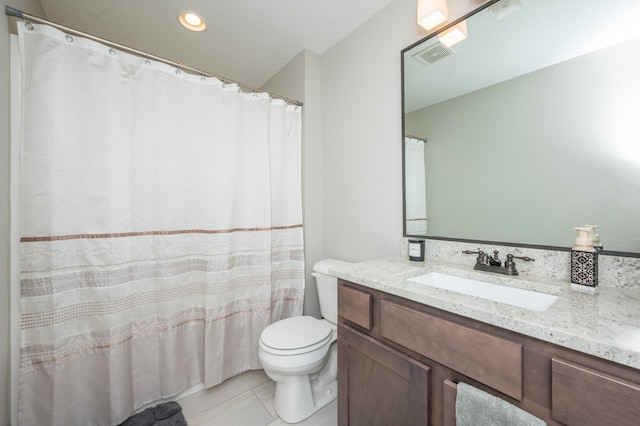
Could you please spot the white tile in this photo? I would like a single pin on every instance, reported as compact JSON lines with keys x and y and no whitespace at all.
{"x":203,"y":400}
{"x":266,"y":393}
{"x":242,"y":410}
{"x":245,"y":400}
{"x":326,"y":416}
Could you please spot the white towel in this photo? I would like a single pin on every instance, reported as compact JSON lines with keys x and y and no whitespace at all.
{"x":475,"y":407}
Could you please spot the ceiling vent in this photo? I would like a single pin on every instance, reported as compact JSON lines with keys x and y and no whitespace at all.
{"x":433,"y":53}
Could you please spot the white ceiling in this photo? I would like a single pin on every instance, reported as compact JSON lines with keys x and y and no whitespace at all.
{"x":245,"y":40}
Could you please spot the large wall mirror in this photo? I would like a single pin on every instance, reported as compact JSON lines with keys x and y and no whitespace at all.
{"x":528,"y":127}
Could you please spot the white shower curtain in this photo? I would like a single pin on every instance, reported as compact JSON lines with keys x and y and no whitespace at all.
{"x":415,"y":187}
{"x":161,"y":229}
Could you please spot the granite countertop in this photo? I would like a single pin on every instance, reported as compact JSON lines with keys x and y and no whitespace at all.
{"x":605,"y":324}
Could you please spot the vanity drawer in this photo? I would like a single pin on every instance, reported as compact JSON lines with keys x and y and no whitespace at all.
{"x":355,"y":306}
{"x":579,"y":396}
{"x":490,"y":360}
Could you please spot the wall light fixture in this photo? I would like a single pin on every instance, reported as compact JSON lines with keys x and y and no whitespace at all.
{"x":432,"y":13}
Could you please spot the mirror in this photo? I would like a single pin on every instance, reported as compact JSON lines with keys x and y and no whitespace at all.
{"x":528,"y":127}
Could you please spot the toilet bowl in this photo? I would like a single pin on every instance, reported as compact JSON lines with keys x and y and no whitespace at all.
{"x":300,"y":353}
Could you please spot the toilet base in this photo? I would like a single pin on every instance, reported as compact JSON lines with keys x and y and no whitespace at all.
{"x":298,"y":398}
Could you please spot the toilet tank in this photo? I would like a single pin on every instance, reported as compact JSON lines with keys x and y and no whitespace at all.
{"x":327,"y":288}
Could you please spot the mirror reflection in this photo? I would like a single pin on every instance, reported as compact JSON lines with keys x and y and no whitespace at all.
{"x":415,"y":187}
{"x":528,"y":127}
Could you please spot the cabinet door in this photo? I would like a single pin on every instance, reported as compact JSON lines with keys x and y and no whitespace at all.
{"x":379,"y":385}
{"x":583,"y":396}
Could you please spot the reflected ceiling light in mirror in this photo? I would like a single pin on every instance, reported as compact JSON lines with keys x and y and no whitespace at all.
{"x":504,"y":8}
{"x":454,"y":35}
{"x":192,"y":21}
{"x":432,"y":13}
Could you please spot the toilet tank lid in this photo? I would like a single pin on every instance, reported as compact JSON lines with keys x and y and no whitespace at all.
{"x":323,"y":266}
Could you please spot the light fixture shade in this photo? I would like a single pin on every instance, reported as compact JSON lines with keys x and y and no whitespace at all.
{"x":432,"y":13}
{"x":454,"y":35}
{"x":192,"y":21}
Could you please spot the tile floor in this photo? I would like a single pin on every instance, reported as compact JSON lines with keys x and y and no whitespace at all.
{"x":245,"y":400}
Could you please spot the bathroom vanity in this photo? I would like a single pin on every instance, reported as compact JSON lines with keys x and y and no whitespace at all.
{"x":403,"y":346}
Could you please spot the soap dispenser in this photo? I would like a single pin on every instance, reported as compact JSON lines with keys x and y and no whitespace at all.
{"x":584,"y":261}
{"x":597,"y":244}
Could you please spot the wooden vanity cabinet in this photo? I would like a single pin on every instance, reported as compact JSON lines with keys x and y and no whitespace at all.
{"x":385,"y":386}
{"x":399,"y":361}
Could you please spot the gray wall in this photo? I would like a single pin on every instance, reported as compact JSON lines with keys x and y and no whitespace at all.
{"x":301,"y":80}
{"x":362,"y":134}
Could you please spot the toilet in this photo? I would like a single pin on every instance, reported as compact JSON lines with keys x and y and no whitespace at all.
{"x":300,"y":353}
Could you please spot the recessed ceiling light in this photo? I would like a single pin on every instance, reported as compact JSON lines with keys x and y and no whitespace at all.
{"x":192,"y":21}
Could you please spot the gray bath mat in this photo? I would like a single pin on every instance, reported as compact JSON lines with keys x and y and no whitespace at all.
{"x":167,"y":414}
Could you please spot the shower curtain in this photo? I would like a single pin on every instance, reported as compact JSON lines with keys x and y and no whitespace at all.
{"x":161,"y":229}
{"x":415,"y":186}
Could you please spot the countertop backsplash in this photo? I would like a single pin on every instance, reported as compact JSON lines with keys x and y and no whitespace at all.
{"x":613,"y":271}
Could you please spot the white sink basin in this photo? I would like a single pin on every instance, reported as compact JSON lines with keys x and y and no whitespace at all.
{"x":499,"y":293}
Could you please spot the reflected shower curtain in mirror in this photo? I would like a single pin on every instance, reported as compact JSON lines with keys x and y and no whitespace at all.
{"x":161,"y":229}
{"x":415,"y":186}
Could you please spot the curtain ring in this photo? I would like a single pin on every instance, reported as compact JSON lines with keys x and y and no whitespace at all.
{"x":147,"y":62}
{"x":69,"y":38}
{"x":28,"y":25}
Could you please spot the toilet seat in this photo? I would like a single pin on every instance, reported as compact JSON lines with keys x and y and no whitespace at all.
{"x":296,"y":335}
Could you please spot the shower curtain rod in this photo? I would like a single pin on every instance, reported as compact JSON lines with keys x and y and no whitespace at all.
{"x":10,"y":11}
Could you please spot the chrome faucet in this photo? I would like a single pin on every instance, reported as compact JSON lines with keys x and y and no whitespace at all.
{"x":492,"y":263}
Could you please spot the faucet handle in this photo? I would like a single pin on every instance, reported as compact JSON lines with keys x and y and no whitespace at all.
{"x":510,"y":265}
{"x":482,"y":258}
{"x":510,"y":258}
{"x":479,"y":252}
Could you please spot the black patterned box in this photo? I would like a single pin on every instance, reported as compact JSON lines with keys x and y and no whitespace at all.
{"x":584,"y":268}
